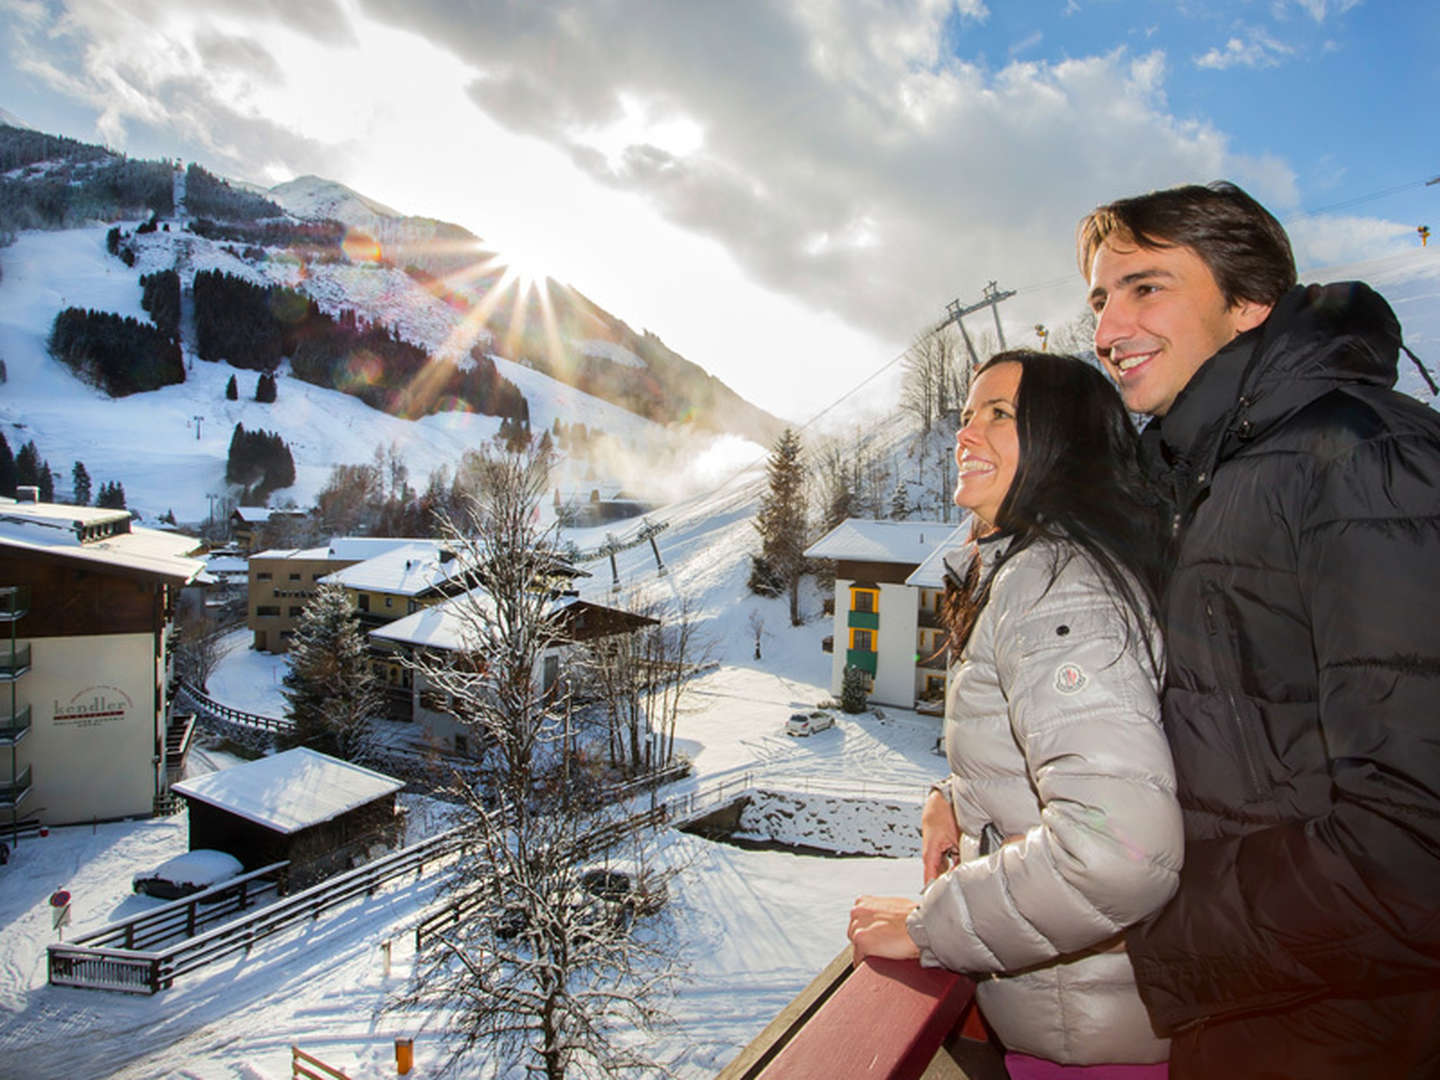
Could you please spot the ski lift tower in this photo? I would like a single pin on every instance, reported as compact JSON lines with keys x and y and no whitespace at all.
{"x":954,"y":313}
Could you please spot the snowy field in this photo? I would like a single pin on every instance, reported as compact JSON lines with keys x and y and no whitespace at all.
{"x":756,"y":926}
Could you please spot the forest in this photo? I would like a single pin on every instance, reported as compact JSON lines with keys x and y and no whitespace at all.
{"x":121,"y":355}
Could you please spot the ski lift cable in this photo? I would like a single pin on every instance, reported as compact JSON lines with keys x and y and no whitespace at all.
{"x":1040,"y":286}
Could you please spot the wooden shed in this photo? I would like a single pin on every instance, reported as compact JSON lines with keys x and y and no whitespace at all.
{"x":321,"y":813}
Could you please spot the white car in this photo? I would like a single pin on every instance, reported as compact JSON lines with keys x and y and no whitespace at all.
{"x":188,"y":873}
{"x":808,"y":723}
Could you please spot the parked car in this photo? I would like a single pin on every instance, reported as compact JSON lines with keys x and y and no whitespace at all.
{"x":188,"y":873}
{"x":809,"y":723}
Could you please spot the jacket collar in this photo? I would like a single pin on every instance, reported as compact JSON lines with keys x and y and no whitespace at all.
{"x":1317,"y":338}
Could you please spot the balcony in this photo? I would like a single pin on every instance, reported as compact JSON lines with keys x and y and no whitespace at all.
{"x":13,"y":792}
{"x":864,"y":659}
{"x":14,"y":602}
{"x":14,"y":662}
{"x":14,"y":728}
{"x":902,"y":1021}
{"x":864,"y":620}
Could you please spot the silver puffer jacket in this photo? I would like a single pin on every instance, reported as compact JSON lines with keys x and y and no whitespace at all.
{"x":1053,"y":732}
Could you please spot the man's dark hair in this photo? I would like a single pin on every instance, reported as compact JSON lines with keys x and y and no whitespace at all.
{"x":1240,"y":241}
{"x":1078,"y":484}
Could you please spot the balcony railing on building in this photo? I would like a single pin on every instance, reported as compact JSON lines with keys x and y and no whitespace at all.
{"x":13,"y":791}
{"x":14,"y":726}
{"x":14,"y":661}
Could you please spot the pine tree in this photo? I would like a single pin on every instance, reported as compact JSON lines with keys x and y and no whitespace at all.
{"x":80,"y":483}
{"x":232,"y":391}
{"x":900,"y":501}
{"x":330,"y":693}
{"x":27,"y":466}
{"x":111,"y":496}
{"x":781,"y":520}
{"x":8,"y":478}
{"x":46,"y":483}
{"x":265,"y":387}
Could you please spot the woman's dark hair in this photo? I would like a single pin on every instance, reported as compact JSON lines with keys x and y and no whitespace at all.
{"x":1078,"y":482}
{"x":1241,"y":242}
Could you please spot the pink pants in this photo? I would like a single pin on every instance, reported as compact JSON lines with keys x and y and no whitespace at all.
{"x":1025,"y":1067}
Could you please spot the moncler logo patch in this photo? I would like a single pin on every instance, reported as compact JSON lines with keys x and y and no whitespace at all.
{"x":1070,"y":678}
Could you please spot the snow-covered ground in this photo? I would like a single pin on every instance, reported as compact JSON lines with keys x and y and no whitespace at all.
{"x":759,"y":924}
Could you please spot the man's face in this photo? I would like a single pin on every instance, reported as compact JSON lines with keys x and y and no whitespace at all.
{"x":1159,"y":316}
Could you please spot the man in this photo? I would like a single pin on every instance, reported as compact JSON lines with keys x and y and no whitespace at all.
{"x":1303,"y":624}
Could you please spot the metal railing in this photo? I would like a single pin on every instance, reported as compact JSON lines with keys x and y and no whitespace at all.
{"x":196,"y":700}
{"x":14,"y":790}
{"x":14,"y":728}
{"x":14,"y":601}
{"x":14,"y":661}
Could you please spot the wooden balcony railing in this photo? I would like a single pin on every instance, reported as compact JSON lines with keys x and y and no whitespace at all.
{"x":885,"y":1020}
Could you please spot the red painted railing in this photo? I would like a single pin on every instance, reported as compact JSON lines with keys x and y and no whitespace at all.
{"x":885,"y":1020}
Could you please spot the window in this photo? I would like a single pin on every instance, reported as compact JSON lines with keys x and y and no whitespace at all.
{"x":867,"y":600}
{"x":462,"y":744}
{"x":263,"y":575}
{"x":294,"y":577}
{"x":388,"y":601}
{"x":295,"y":612}
{"x":862,"y":640}
{"x":364,"y":602}
{"x":267,"y":609}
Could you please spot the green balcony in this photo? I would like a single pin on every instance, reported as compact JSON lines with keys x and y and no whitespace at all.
{"x":14,"y":662}
{"x":864,"y":620}
{"x":14,"y":602}
{"x":12,"y":792}
{"x":864,"y":659}
{"x":14,"y":728}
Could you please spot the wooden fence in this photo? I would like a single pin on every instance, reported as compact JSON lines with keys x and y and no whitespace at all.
{"x":140,"y":971}
{"x":678,"y":810}
{"x":309,"y":1067}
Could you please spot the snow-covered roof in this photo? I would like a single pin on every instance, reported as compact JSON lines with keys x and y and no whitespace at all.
{"x":253,"y":515}
{"x":290,"y":791}
{"x":930,"y":574}
{"x":408,"y":570}
{"x":861,"y":540}
{"x":445,"y":626}
{"x":56,"y":529}
{"x":342,"y":549}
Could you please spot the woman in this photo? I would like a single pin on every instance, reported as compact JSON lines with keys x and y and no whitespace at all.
{"x":1060,"y":806}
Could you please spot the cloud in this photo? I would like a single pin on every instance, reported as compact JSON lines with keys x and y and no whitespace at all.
{"x":1319,"y":9}
{"x":1256,"y":49}
{"x":1322,"y":240}
{"x":857,"y":158}
{"x":1026,"y":43}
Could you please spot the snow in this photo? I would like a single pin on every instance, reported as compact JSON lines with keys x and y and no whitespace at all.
{"x":290,"y":791}
{"x":909,"y":542}
{"x":756,"y":925}
{"x":195,"y":869}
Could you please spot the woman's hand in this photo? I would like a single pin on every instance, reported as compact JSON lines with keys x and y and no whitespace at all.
{"x":877,"y":928}
{"x":939,"y":836}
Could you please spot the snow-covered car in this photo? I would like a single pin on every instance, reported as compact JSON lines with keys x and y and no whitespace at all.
{"x":808,"y":723}
{"x":188,"y":873}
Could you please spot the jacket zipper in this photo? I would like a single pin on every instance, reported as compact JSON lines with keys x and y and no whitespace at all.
{"x":1220,"y":648}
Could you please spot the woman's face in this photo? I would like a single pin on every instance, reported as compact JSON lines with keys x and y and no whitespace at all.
{"x":987,"y":446}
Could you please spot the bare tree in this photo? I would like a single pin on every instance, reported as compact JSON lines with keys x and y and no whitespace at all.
{"x":198,"y":650}
{"x":641,"y":679}
{"x":935,"y":377}
{"x":546,"y":971}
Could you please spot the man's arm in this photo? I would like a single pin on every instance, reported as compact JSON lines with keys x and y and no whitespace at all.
{"x":1346,"y":904}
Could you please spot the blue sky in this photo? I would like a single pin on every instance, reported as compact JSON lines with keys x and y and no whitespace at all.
{"x":787,"y":191}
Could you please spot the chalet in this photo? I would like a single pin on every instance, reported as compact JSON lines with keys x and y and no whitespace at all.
{"x":886,"y":618}
{"x":320,"y":813}
{"x":86,"y":604}
{"x":444,"y":628}
{"x":281,"y":580}
{"x":248,"y":524}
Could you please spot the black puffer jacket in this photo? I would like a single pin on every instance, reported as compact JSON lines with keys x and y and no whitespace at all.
{"x":1302,"y":705}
